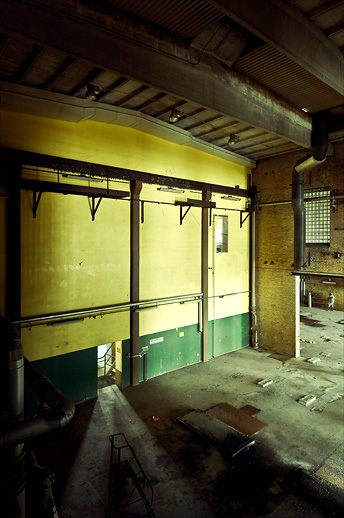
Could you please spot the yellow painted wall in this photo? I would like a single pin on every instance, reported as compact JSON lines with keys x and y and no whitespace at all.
{"x":116,"y":146}
{"x":71,"y":263}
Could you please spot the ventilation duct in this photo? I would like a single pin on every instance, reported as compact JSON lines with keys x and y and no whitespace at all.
{"x":320,"y":143}
{"x":15,"y":429}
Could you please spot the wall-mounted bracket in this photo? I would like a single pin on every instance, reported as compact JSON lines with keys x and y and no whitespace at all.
{"x":94,"y":207}
{"x":142,"y":211}
{"x":193,"y":203}
{"x":242,"y":220}
{"x":182,"y":216}
{"x":35,"y":201}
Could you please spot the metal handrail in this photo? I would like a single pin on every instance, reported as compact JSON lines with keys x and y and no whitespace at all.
{"x":100,"y":310}
{"x":104,"y":358}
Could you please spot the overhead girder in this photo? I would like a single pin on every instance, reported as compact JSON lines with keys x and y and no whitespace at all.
{"x":206,"y":83}
{"x":292,"y":33}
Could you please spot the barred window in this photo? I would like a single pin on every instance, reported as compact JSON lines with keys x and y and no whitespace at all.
{"x":318,"y":212}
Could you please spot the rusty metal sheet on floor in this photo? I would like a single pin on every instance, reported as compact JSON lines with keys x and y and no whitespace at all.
{"x":237,"y":419}
{"x":224,"y":437}
{"x":249,"y":409}
{"x":332,"y":474}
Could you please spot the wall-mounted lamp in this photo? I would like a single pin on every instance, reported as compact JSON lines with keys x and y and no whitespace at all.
{"x":174,"y":116}
{"x":82,"y":177}
{"x":329,"y":282}
{"x":171,"y":189}
{"x":65,"y":322}
{"x":230,"y":198}
{"x":233,"y":139}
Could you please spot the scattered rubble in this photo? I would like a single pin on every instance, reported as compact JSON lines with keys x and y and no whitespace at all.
{"x":264,"y":383}
{"x":313,"y":360}
{"x":307,"y":400}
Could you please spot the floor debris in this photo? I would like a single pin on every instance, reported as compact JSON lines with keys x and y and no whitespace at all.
{"x":264,"y":383}
{"x":313,"y":360}
{"x":236,"y":418}
{"x":307,"y":400}
{"x":223,"y":436}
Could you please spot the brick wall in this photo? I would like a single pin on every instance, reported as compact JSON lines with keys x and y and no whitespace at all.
{"x":276,"y":288}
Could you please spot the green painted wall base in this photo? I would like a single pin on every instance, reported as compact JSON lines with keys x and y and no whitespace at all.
{"x":75,"y":374}
{"x":176,"y":348}
{"x":230,"y":333}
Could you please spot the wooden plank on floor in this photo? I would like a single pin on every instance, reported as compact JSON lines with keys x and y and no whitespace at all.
{"x":236,"y":418}
{"x":224,"y":437}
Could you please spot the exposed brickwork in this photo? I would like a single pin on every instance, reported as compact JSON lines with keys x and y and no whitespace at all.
{"x":275,"y":243}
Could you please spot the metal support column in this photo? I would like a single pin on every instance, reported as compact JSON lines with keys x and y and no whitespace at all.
{"x":206,"y":196}
{"x":13,"y":244}
{"x":135,"y":218}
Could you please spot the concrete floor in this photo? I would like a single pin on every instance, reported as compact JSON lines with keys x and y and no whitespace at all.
{"x":191,"y":478}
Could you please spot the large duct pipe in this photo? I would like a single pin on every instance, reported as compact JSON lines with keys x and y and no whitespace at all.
{"x":13,"y":480}
{"x":320,"y":143}
{"x":61,"y":409}
{"x":254,"y":319}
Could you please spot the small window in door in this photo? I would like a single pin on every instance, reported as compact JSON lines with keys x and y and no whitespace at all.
{"x":221,"y":224}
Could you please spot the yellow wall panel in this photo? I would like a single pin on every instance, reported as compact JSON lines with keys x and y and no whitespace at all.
{"x":70,"y":262}
{"x":116,"y":146}
{"x":46,"y":341}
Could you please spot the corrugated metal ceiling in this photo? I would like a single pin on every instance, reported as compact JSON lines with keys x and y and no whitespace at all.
{"x":286,"y":78}
{"x":185,"y":19}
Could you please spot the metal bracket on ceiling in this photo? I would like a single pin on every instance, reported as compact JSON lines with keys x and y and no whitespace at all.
{"x":35,"y":202}
{"x":94,"y":207}
{"x":242,"y":221}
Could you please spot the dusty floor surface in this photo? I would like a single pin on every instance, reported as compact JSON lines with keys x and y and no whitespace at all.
{"x":191,"y":478}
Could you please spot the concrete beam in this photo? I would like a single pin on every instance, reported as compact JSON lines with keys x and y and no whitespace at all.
{"x":292,"y":33}
{"x":206,"y":84}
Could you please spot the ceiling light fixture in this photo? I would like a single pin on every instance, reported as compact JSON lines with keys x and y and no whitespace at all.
{"x":171,"y":189}
{"x":175,"y":116}
{"x":233,"y":139}
{"x":91,"y":93}
{"x":230,"y":198}
{"x":81,"y":177}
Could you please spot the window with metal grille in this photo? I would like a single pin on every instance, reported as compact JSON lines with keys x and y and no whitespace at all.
{"x":318,"y":212}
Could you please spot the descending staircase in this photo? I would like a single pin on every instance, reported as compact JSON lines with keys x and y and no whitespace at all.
{"x":130,"y":492}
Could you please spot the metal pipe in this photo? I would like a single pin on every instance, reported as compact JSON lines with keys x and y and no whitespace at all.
{"x":106,"y":309}
{"x":214,"y":296}
{"x":288,"y":202}
{"x":61,"y":410}
{"x":9,"y":337}
{"x":320,"y":143}
{"x":299,"y":220}
{"x":254,"y":319}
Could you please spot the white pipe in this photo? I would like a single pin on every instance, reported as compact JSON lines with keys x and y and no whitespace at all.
{"x":214,"y":296}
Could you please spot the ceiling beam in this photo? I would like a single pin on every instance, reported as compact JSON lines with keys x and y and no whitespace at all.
{"x":208,"y":85}
{"x":292,"y":33}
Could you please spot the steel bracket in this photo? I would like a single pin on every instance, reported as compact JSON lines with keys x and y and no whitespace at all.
{"x":182,"y":216}
{"x":36,"y":200}
{"x":242,"y":220}
{"x":94,"y":207}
